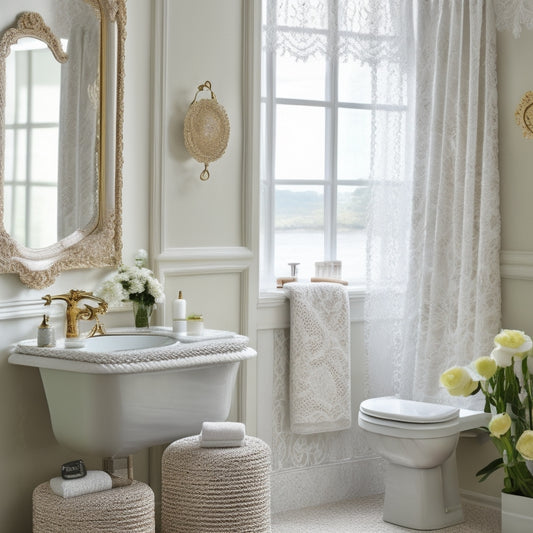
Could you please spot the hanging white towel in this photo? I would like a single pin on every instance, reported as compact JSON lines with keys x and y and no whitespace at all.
{"x":319,"y":370}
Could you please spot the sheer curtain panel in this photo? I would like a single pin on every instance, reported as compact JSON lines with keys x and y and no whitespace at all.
{"x":442,"y":305}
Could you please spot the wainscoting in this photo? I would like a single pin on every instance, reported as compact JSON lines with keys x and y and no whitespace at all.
{"x":310,"y":470}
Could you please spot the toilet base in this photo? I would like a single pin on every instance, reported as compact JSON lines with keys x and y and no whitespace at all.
{"x":423,"y":498}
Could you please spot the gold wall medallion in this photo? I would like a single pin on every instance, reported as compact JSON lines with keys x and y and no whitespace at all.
{"x":206,"y":129}
{"x":524,"y":115}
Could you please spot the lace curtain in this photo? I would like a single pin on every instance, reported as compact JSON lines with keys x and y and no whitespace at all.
{"x":364,"y":30}
{"x":452,"y":305}
{"x":434,"y":230}
{"x":513,"y":15}
{"x":446,"y":306}
{"x":78,"y":135}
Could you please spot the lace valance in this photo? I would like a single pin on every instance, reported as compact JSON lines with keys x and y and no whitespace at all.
{"x":366,"y":30}
{"x":363,"y":30}
{"x":513,"y":15}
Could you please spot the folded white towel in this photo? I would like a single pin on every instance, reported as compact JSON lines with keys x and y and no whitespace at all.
{"x":94,"y":481}
{"x":222,"y":434}
{"x":221,"y":443}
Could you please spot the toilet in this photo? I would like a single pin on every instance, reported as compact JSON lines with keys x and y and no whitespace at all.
{"x":418,"y":440}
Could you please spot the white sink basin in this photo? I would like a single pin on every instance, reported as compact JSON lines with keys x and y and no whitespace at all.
{"x":119,"y":342}
{"x":124,"y":392}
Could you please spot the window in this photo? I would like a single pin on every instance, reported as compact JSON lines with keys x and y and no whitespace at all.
{"x":322,"y":119}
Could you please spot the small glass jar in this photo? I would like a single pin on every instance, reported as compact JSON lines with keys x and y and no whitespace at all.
{"x":195,"y":325}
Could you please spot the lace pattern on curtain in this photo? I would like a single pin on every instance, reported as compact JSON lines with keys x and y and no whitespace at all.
{"x":512,"y":15}
{"x":452,"y":305}
{"x":364,"y":31}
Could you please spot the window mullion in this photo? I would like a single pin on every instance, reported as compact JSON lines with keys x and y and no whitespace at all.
{"x":330,"y":192}
{"x":269,"y":182}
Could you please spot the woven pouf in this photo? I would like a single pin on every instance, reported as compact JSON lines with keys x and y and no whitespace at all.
{"x":216,"y":489}
{"x":123,"y":509}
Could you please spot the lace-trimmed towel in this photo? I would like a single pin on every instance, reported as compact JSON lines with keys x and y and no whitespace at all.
{"x":319,"y":376}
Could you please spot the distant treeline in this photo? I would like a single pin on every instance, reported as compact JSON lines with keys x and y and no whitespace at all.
{"x":304,"y":209}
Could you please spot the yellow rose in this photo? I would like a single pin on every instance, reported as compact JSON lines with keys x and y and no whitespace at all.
{"x":499,"y":425}
{"x":525,"y":445}
{"x":470,"y":388}
{"x":485,"y":367}
{"x":514,"y":343}
{"x":456,"y":377}
{"x":522,"y":355}
{"x":458,"y":381}
{"x":466,"y":390}
{"x":510,"y":338}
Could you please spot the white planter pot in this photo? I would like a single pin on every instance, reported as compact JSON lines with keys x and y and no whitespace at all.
{"x":517,"y":514}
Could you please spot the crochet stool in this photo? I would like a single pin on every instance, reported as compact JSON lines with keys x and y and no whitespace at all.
{"x":122,"y":509}
{"x":208,"y":490}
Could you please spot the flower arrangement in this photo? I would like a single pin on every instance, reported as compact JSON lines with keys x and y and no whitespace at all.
{"x":136,"y":284}
{"x":506,"y":380}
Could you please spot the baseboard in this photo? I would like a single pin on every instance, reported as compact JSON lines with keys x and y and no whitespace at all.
{"x":297,"y":488}
{"x":483,"y":500}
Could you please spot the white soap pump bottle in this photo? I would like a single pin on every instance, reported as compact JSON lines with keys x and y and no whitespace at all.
{"x":179,"y":314}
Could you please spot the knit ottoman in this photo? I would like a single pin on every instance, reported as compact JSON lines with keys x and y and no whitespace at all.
{"x":124,"y":509}
{"x":216,"y":489}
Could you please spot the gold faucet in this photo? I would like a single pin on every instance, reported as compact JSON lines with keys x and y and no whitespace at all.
{"x":75,"y":313}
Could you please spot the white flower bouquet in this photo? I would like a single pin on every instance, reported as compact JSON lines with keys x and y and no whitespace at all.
{"x":136,"y":284}
{"x":132,"y":283}
{"x":506,"y":380}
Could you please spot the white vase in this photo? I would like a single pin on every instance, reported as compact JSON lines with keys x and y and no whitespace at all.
{"x":517,"y":514}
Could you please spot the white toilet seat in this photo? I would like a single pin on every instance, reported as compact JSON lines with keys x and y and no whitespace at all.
{"x":392,"y":408}
{"x":416,"y":420}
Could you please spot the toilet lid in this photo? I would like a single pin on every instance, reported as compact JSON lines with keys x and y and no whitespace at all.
{"x":390,"y":408}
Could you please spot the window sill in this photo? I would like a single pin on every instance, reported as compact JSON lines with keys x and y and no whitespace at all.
{"x":273,"y":308}
{"x":355,"y":292}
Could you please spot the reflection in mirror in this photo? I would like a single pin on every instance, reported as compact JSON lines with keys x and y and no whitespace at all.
{"x":51,"y":150}
{"x":31,"y":143}
{"x":61,"y":106}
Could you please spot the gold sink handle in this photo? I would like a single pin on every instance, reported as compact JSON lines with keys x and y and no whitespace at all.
{"x":75,"y":312}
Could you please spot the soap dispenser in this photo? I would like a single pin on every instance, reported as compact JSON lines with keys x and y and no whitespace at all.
{"x":46,"y":334}
{"x":179,"y":314}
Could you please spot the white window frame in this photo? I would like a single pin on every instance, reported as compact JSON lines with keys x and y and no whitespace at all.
{"x":331,"y":181}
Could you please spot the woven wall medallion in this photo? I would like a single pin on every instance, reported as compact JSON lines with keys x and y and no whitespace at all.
{"x":206,"y":129}
{"x":524,"y":115}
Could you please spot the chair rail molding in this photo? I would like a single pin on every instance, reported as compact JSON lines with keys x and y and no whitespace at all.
{"x":516,"y":265}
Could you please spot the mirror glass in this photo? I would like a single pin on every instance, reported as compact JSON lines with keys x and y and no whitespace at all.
{"x":36,"y":159}
{"x":60,"y":182}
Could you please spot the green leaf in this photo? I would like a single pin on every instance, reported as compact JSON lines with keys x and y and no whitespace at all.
{"x":489,"y":469}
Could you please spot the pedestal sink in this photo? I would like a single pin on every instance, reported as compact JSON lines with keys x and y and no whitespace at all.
{"x":125,"y":392}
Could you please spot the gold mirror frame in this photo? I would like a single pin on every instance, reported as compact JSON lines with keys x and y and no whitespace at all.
{"x":100,"y":245}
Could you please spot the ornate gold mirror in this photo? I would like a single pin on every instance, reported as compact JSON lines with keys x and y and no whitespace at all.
{"x":61,"y":107}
